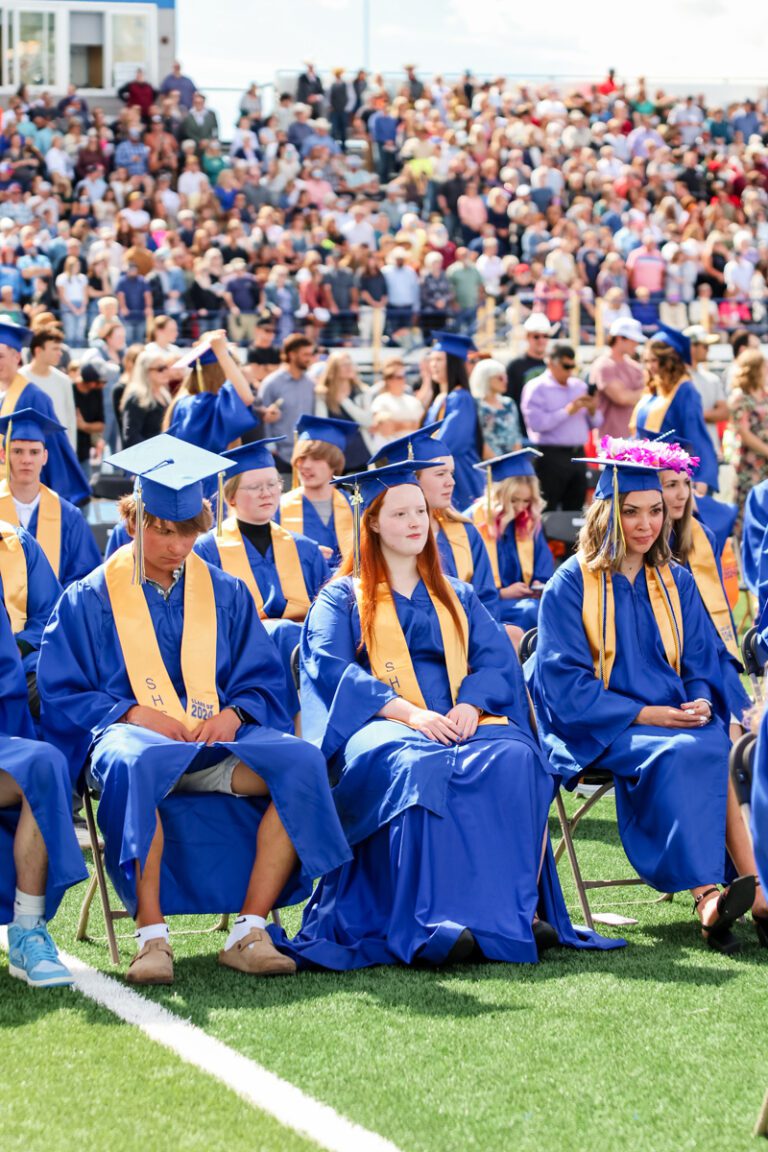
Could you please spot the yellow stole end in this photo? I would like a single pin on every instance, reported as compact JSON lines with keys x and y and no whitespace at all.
{"x":524,"y":545}
{"x":11,"y":398}
{"x":151,"y":684}
{"x":479,"y":514}
{"x":13,"y":572}
{"x":704,"y":568}
{"x":456,"y":534}
{"x":234,"y":560}
{"x":48,"y":521}
{"x":655,"y":412}
{"x":598,"y":616}
{"x":391,"y":661}
{"x":292,"y":517}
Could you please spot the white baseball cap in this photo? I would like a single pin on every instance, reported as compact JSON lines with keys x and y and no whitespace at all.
{"x":697,"y":334}
{"x":628,"y":328}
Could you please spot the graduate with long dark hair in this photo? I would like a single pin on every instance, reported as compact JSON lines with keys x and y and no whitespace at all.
{"x":455,"y":407}
{"x":627,"y":678}
{"x":416,"y":698}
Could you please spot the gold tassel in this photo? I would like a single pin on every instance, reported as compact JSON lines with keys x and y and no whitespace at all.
{"x":220,"y":505}
{"x":199,"y":374}
{"x":138,"y":542}
{"x":489,"y":496}
{"x":356,"y":500}
{"x":8,"y":452}
{"x":616,"y":528}
{"x":294,"y":471}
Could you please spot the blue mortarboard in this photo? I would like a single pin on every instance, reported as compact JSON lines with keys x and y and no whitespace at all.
{"x":29,"y":424}
{"x":421,"y":443}
{"x":370,"y":484}
{"x":202,"y":354}
{"x":171,"y":474}
{"x":255,"y":455}
{"x":453,"y":344}
{"x":675,"y":339}
{"x":518,"y":463}
{"x":14,"y":336}
{"x":621,"y":476}
{"x":327,"y":429}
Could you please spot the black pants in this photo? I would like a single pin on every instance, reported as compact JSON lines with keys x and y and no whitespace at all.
{"x":563,"y":484}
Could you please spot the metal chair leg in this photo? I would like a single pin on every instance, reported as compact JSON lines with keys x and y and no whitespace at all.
{"x":761,"y":1128}
{"x":578,"y":880}
{"x":101,"y":883}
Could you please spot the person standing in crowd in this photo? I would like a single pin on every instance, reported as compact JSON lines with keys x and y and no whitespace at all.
{"x":58,"y":526}
{"x":287,"y":395}
{"x":43,"y":371}
{"x":146,"y":398}
{"x":560,"y":414}
{"x":498,"y":413}
{"x":618,"y":377}
{"x":532,"y":363}
{"x":106,"y":356}
{"x":748,"y":404}
{"x":710,"y":387}
{"x":88,"y":392}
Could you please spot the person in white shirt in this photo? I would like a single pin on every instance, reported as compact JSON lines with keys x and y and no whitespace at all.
{"x":359,"y":230}
{"x":710,"y":386}
{"x":45,"y":349}
{"x":490,"y":266}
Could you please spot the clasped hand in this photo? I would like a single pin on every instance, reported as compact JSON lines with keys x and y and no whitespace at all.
{"x":691,"y":714}
{"x":221,"y":728}
{"x":457,"y":725}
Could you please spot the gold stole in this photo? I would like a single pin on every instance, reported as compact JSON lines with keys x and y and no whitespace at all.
{"x":391,"y":661}
{"x":11,"y":398}
{"x":656,"y":411}
{"x":48,"y":521}
{"x":479,"y":516}
{"x":234,"y":560}
{"x":456,"y":535}
{"x":151,"y":684}
{"x":524,"y":545}
{"x":13,"y":570}
{"x":705,"y":573}
{"x":599,"y":616}
{"x":292,"y":517}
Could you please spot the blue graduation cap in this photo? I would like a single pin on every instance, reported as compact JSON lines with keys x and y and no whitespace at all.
{"x":518,"y":463}
{"x":28,"y":424}
{"x":327,"y":429}
{"x":620,"y":476}
{"x":453,"y":344}
{"x":366,"y":486}
{"x":253,"y":455}
{"x":14,"y":336}
{"x":170,"y":475}
{"x":421,"y":443}
{"x":681,"y":344}
{"x":198,"y":356}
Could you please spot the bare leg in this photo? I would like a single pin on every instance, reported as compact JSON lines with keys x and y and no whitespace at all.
{"x":275,"y":854}
{"x":29,"y":854}
{"x":148,"y":882}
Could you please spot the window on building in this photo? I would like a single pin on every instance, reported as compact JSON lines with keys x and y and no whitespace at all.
{"x":35,"y":56}
{"x":129,"y":46}
{"x":86,"y":49}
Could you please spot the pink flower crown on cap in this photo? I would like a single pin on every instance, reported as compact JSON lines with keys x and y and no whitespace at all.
{"x":653,"y":453}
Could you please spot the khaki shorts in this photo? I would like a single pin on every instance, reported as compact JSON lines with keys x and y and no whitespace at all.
{"x":217,"y":778}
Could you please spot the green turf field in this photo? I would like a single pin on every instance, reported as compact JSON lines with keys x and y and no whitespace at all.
{"x":660,"y":1046}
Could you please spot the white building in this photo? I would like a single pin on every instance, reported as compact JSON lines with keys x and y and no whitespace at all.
{"x":95,"y":44}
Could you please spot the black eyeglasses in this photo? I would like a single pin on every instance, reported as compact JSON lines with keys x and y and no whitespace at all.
{"x":569,"y":365}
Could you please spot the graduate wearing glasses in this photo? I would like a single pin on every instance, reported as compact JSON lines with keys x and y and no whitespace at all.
{"x":626,"y":677}
{"x":159,"y":677}
{"x":416,"y":698}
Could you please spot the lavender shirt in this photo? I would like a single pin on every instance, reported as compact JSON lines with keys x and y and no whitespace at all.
{"x":543,"y":405}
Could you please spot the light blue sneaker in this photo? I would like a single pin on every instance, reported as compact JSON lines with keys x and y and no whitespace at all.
{"x":32,"y":956}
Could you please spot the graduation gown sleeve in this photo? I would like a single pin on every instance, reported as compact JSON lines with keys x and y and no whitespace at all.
{"x":62,"y":472}
{"x":211,"y":420}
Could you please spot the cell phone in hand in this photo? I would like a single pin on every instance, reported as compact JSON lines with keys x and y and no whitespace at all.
{"x":591,"y":389}
{"x":536,"y":587}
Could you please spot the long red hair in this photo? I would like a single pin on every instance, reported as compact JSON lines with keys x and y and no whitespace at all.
{"x":374,"y":571}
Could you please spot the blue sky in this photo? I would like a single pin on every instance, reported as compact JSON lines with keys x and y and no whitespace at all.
{"x":252,"y":39}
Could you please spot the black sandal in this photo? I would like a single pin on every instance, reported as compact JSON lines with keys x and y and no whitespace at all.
{"x":731,"y":904}
{"x":760,"y":923}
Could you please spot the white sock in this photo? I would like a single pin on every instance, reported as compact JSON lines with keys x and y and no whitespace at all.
{"x":28,"y":911}
{"x":151,"y":932}
{"x":243,"y":925}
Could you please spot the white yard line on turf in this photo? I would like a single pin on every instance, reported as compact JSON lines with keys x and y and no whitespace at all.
{"x":248,"y":1079}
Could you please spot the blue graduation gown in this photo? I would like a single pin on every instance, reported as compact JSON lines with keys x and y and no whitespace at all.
{"x":445,"y":838}
{"x":754,"y":563}
{"x":324,"y":535}
{"x":524,"y":612}
{"x":759,"y":804}
{"x":671,"y":784}
{"x":718,"y":516}
{"x":42,"y":774}
{"x":117,"y":537}
{"x":85,"y":690}
{"x":43,"y":590}
{"x":685,"y":416}
{"x":737,"y":698}
{"x":211,"y":420}
{"x":285,"y":633}
{"x":62,"y":473}
{"x":482,"y":575}
{"x":79,"y":552}
{"x":459,"y":431}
